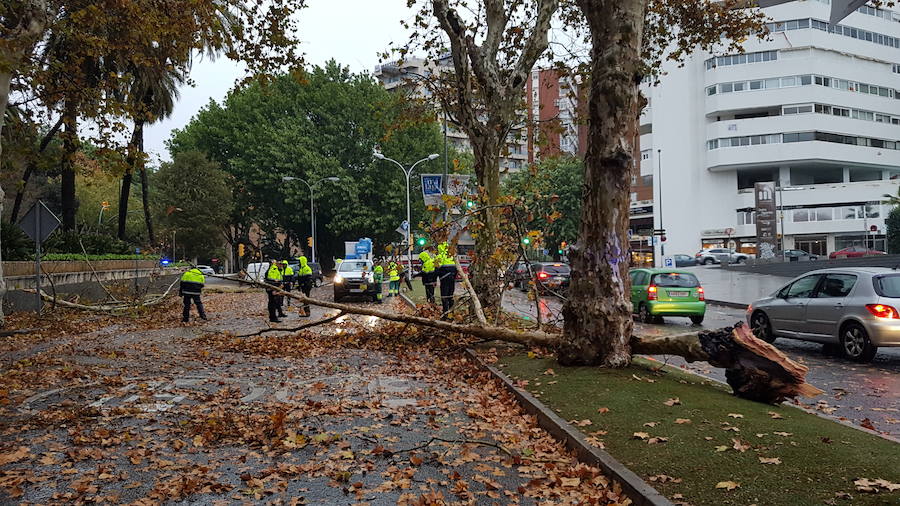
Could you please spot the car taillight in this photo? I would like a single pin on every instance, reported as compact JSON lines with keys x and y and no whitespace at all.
{"x":542,"y":275}
{"x":882,"y":311}
{"x":651,"y":292}
{"x":700,"y":294}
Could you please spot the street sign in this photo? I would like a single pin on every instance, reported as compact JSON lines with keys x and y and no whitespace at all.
{"x":874,"y":228}
{"x":668,"y":262}
{"x":39,"y":222}
{"x":432,"y":189}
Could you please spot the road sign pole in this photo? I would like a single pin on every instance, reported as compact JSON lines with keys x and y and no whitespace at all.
{"x":37,"y":259}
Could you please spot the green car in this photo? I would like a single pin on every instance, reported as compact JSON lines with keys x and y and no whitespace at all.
{"x":664,"y":292}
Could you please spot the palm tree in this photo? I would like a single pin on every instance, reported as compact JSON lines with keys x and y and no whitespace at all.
{"x":152,"y":93}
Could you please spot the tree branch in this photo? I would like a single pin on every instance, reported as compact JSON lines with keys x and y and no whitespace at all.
{"x":296,"y":329}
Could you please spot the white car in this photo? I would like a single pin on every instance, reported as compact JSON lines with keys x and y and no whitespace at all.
{"x":719,"y":255}
{"x":206,"y":270}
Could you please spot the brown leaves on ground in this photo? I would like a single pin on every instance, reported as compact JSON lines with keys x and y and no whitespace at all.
{"x":672,"y":402}
{"x":323,"y":427}
{"x":728,"y":485}
{"x":873,"y":486}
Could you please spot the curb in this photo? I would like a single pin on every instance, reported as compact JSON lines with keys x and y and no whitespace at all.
{"x":733,"y":305}
{"x":407,"y":301}
{"x":637,"y":489}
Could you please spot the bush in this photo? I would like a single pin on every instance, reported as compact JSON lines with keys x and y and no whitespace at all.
{"x":76,"y":257}
{"x":15,"y":244}
{"x":893,"y":230}
{"x":94,"y":244}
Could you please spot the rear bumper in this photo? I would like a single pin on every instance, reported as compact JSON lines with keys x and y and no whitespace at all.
{"x":883,"y":331}
{"x":677,"y":308}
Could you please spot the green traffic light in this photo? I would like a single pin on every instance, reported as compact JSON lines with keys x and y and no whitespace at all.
{"x":526,"y":241}
{"x":421,"y":241}
{"x":470,"y":204}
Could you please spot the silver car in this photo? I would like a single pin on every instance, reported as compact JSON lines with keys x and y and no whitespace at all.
{"x":855,"y":309}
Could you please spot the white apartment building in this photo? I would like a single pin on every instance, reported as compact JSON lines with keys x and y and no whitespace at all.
{"x":815,"y":108}
{"x":409,"y":74}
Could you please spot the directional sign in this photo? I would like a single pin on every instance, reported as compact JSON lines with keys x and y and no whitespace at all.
{"x":39,"y":222}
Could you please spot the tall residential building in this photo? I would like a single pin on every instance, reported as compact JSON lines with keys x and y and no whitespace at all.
{"x":814,"y":108}
{"x":554,"y":102}
{"x":410,"y":74}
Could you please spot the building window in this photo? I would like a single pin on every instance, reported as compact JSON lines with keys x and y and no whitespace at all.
{"x":634,"y":196}
{"x":740,"y":59}
{"x":802,"y":80}
{"x":731,"y":142}
{"x":846,"y":31}
{"x":645,"y":154}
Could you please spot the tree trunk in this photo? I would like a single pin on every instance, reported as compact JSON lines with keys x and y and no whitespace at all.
{"x":485,"y":278}
{"x":145,"y":199}
{"x":134,"y":162}
{"x":597,"y":314}
{"x":5,"y":79}
{"x":70,"y":146}
{"x":29,"y":170}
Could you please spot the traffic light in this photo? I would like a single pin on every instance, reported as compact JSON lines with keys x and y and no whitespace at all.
{"x":421,"y":241}
{"x":470,"y":204}
{"x":562,"y":247}
{"x":309,"y":241}
{"x":526,"y":241}
{"x":241,"y":250}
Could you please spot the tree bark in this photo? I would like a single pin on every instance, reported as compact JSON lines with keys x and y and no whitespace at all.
{"x":133,"y":163}
{"x":145,"y":200}
{"x":29,"y":170}
{"x":485,"y":278}
{"x":70,"y":147}
{"x":598,"y":322}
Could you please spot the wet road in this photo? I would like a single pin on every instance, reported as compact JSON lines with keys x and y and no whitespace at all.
{"x":853,"y":391}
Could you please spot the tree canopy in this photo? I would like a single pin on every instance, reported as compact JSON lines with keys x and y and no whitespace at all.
{"x":313,"y":124}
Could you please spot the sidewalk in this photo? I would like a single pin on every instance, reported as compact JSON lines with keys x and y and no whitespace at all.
{"x":733,"y":288}
{"x":145,"y":410}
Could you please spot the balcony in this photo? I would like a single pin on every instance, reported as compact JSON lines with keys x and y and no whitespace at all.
{"x":767,"y":155}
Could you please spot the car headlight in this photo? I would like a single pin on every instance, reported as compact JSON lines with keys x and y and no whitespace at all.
{"x":338,"y":279}
{"x":370,"y":278}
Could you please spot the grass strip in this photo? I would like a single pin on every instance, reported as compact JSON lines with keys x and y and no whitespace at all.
{"x":693,"y":435}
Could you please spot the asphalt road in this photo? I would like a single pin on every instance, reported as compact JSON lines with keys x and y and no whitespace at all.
{"x":853,"y":391}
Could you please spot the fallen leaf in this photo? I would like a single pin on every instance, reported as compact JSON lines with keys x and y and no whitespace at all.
{"x":15,"y":456}
{"x":416,"y":460}
{"x":723,"y":448}
{"x":682,"y":421}
{"x":532,"y":354}
{"x":640,"y":435}
{"x":584,"y":423}
{"x":775,"y":416}
{"x":651,"y":424}
{"x":784,"y":434}
{"x":866,"y":423}
{"x":735,"y":415}
{"x":663,"y":478}
{"x":657,"y":439}
{"x":767,"y":460}
{"x":603,"y":410}
{"x":571,"y":482}
{"x":732,"y":429}
{"x":740,"y":445}
{"x":550,"y":372}
{"x":728,"y":485}
{"x":675,"y":401}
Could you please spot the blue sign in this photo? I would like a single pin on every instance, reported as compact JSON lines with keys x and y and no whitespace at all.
{"x":431,"y":185}
{"x":364,"y":246}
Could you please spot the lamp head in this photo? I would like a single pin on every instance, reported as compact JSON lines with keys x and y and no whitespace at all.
{"x":378,"y":155}
{"x":333,"y":179}
{"x":433,"y":156}
{"x":288,"y":178}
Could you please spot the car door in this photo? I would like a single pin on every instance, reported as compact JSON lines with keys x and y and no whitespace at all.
{"x":638,"y":288}
{"x":826,"y":308}
{"x":787,"y":312}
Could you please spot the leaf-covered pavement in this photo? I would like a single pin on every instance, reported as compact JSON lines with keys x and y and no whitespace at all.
{"x":145,"y":410}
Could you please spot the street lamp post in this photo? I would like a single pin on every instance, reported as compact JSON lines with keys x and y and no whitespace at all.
{"x":312,"y":209}
{"x":407,"y":173}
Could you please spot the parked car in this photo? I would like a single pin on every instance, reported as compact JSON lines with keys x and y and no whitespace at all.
{"x":853,"y":309}
{"x":355,"y":278}
{"x":318,"y":277}
{"x":659,"y":292}
{"x":256,"y":271}
{"x":795,"y":255}
{"x":719,"y":255}
{"x":206,"y":270}
{"x":855,"y":252}
{"x":684,"y":261}
{"x":548,"y":276}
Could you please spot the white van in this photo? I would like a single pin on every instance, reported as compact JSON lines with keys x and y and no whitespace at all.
{"x":257,"y":271}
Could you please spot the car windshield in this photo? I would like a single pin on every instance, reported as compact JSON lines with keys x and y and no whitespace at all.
{"x":557,"y":269}
{"x":888,"y":286}
{"x":352,"y":266}
{"x":677,"y":280}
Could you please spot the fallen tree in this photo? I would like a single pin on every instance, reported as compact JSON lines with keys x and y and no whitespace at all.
{"x":754,"y":369}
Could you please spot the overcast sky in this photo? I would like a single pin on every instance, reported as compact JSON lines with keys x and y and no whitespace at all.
{"x":353,"y":32}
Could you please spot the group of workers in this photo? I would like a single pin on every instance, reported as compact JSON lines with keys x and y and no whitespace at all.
{"x":439,"y":268}
{"x":281,"y":276}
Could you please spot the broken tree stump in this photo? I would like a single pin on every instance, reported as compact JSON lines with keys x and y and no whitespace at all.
{"x":754,"y":369}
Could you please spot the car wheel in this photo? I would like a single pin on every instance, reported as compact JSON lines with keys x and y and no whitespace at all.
{"x":761,"y":327}
{"x":708,"y":261}
{"x":318,"y":282}
{"x":697,"y":320}
{"x":855,"y":343}
{"x":644,"y":314}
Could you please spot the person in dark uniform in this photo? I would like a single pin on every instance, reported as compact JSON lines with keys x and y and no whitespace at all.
{"x":190,"y":288}
{"x":305,"y":283}
{"x":446,"y":273}
{"x":274,"y":278}
{"x":288,"y":279}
